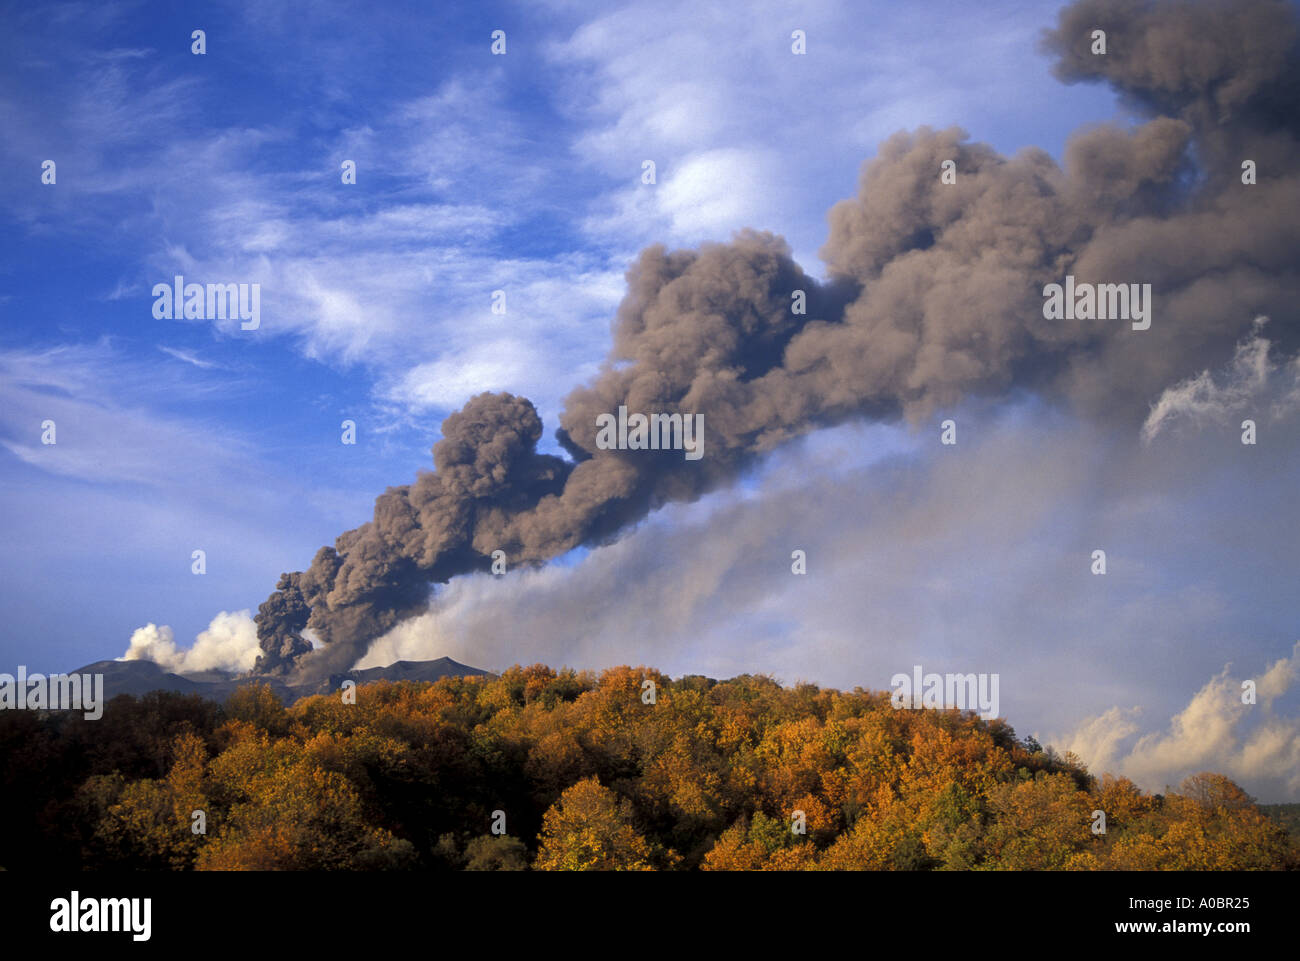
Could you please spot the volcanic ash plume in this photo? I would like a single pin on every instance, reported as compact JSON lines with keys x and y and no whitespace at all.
{"x":935,"y":293}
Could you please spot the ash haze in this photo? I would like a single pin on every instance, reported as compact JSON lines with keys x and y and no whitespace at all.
{"x":923,"y":302}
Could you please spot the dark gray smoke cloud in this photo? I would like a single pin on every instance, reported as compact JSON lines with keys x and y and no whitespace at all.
{"x":935,"y":293}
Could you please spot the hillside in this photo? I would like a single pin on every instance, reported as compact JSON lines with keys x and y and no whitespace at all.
{"x":626,"y":770}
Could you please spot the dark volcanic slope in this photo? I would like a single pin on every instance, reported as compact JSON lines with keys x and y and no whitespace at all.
{"x":399,"y":671}
{"x":140,"y":677}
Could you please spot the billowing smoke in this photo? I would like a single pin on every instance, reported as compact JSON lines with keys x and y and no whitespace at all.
{"x":229,"y":643}
{"x":936,"y":292}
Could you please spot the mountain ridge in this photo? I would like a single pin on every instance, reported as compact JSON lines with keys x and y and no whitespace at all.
{"x":140,"y":677}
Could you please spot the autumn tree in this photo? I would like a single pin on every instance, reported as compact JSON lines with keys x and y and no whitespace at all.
{"x":496,"y":853}
{"x":1210,"y":824}
{"x":760,"y":843}
{"x":1039,"y":824}
{"x":590,"y":829}
{"x":259,"y":705}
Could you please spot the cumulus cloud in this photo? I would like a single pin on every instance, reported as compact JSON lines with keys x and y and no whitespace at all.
{"x":228,"y":644}
{"x":1251,"y":743}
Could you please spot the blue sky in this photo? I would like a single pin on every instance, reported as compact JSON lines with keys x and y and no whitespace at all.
{"x":475,"y":172}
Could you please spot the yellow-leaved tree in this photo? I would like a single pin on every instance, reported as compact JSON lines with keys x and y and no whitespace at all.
{"x":590,"y":829}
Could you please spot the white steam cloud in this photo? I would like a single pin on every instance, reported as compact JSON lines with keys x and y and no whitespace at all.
{"x":228,"y":644}
{"x":1254,"y":386}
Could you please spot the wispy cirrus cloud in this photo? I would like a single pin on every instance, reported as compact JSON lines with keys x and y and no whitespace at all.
{"x":745,"y":133}
{"x":108,"y":415}
{"x":189,"y":357}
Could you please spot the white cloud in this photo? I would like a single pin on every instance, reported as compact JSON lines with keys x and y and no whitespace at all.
{"x":679,"y":80}
{"x":228,"y":644}
{"x":1215,"y":731}
{"x":711,"y":194}
{"x":106,"y":425}
{"x":1253,"y":386}
{"x":189,"y":357}
{"x":449,"y":381}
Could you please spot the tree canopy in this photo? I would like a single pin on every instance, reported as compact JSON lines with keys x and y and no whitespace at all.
{"x":574,"y":771}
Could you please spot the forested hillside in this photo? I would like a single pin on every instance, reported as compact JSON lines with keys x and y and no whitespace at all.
{"x":577,"y":771}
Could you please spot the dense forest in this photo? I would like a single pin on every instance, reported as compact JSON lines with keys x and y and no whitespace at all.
{"x":572,"y":771}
